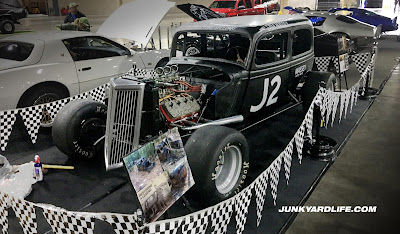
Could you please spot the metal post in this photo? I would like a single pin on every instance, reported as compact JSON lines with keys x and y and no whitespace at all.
{"x":168,"y":37}
{"x":159,"y":35}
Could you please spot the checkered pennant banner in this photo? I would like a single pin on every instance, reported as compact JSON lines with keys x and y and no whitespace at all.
{"x":344,"y":104}
{"x":142,"y":73}
{"x":122,"y":224}
{"x":54,"y":107}
{"x":79,"y":96}
{"x":360,"y":60}
{"x":196,"y":223}
{"x":26,"y":215}
{"x":77,"y":223}
{"x":4,"y":212}
{"x":242,"y":203}
{"x":287,"y":159}
{"x":354,"y":95}
{"x":55,"y":219}
{"x":273,"y":172}
{"x":98,"y":94}
{"x":221,"y":216}
{"x":309,"y":121}
{"x":165,"y":227}
{"x":32,"y":117}
{"x":335,"y":103}
{"x":336,"y":64}
{"x":260,"y":186}
{"x":7,"y":120}
{"x":323,"y":63}
{"x":299,"y":140}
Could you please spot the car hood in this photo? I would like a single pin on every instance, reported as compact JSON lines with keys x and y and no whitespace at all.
{"x":136,"y":20}
{"x":198,"y":12}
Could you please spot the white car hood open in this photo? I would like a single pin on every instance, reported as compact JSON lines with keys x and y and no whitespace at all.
{"x":136,"y":20}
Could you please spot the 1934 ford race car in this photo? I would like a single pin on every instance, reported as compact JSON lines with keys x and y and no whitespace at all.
{"x":229,"y":71}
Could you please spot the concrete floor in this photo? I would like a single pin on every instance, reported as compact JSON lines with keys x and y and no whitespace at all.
{"x":365,"y":173}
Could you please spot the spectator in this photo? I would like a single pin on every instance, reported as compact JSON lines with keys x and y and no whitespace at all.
{"x":81,"y":24}
{"x":73,"y":13}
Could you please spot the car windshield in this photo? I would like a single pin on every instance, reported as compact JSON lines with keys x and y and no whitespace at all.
{"x":228,"y":46}
{"x":17,"y":51}
{"x":223,"y":4}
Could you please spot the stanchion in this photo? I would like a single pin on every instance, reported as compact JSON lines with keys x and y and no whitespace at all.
{"x":368,"y":92}
{"x":320,"y":147}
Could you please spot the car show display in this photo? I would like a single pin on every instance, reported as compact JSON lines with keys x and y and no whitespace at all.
{"x":178,"y":136}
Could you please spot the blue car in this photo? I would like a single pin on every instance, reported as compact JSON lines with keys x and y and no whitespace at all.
{"x":370,"y":17}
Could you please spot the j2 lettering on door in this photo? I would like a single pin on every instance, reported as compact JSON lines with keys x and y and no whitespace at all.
{"x":272,"y":98}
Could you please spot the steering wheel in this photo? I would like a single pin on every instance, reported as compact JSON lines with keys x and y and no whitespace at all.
{"x":234,"y":55}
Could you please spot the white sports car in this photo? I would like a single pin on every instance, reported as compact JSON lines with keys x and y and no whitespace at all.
{"x":41,"y":67}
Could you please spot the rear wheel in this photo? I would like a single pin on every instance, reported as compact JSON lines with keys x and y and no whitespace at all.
{"x":41,"y":95}
{"x":7,"y":27}
{"x":77,"y":126}
{"x":219,"y":159}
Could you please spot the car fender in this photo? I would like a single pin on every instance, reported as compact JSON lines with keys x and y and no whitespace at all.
{"x":150,"y":58}
{"x":16,"y":81}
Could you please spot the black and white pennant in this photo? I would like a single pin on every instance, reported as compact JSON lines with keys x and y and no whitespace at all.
{"x":360,"y":60}
{"x":299,"y":140}
{"x":7,"y":120}
{"x":122,"y":224}
{"x":196,"y":223}
{"x":54,"y":107}
{"x":221,"y":216}
{"x":165,"y":227}
{"x":32,"y":117}
{"x":55,"y":219}
{"x":273,"y":171}
{"x":78,"y":223}
{"x":260,"y":186}
{"x":26,"y":215}
{"x":242,"y":203}
{"x":287,"y":159}
{"x":98,"y":94}
{"x":4,"y":212}
{"x":323,"y":63}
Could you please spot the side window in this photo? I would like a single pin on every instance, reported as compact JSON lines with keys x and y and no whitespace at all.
{"x":85,"y":48}
{"x":248,"y":4}
{"x":241,"y":3}
{"x":301,"y":41}
{"x":257,"y":2}
{"x":271,"y":48}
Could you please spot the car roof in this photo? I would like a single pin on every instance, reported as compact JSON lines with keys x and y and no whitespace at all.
{"x":243,"y":23}
{"x":47,"y":36}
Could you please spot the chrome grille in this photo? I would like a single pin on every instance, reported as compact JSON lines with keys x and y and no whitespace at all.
{"x":123,"y":120}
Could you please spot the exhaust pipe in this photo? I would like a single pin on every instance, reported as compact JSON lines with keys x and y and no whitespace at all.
{"x":225,"y":121}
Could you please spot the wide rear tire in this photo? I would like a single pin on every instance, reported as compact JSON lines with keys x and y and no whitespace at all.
{"x":219,"y":160}
{"x":78,"y":126}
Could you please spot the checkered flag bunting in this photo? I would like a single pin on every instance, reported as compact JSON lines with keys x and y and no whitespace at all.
{"x":98,"y":94}
{"x":221,"y":216}
{"x":309,"y":121}
{"x":260,"y":186}
{"x":287,"y":159}
{"x":142,"y":73}
{"x":79,"y":96}
{"x":7,"y":120}
{"x":32,"y":117}
{"x":78,"y":223}
{"x":55,"y":219}
{"x":335,"y":104}
{"x":336,"y":64}
{"x":4,"y":213}
{"x":323,"y":63}
{"x":360,"y":60}
{"x":273,"y":172}
{"x":26,"y":215}
{"x":242,"y":203}
{"x":299,"y":140}
{"x":122,"y":224}
{"x":54,"y":107}
{"x":196,"y":223}
{"x":169,"y":227}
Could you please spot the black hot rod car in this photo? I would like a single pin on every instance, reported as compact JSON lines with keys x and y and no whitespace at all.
{"x":229,"y":71}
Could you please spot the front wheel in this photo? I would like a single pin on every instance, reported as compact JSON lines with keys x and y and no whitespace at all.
{"x":219,"y":159}
{"x":7,"y":27}
{"x":77,"y":126}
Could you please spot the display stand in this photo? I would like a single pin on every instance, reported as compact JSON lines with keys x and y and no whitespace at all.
{"x":319,"y":147}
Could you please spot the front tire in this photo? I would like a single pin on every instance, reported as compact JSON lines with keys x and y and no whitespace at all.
{"x":7,"y":27}
{"x":77,"y":126}
{"x":219,"y":160}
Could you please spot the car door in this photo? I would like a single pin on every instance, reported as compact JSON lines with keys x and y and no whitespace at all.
{"x":269,"y":75}
{"x":97,"y":60}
